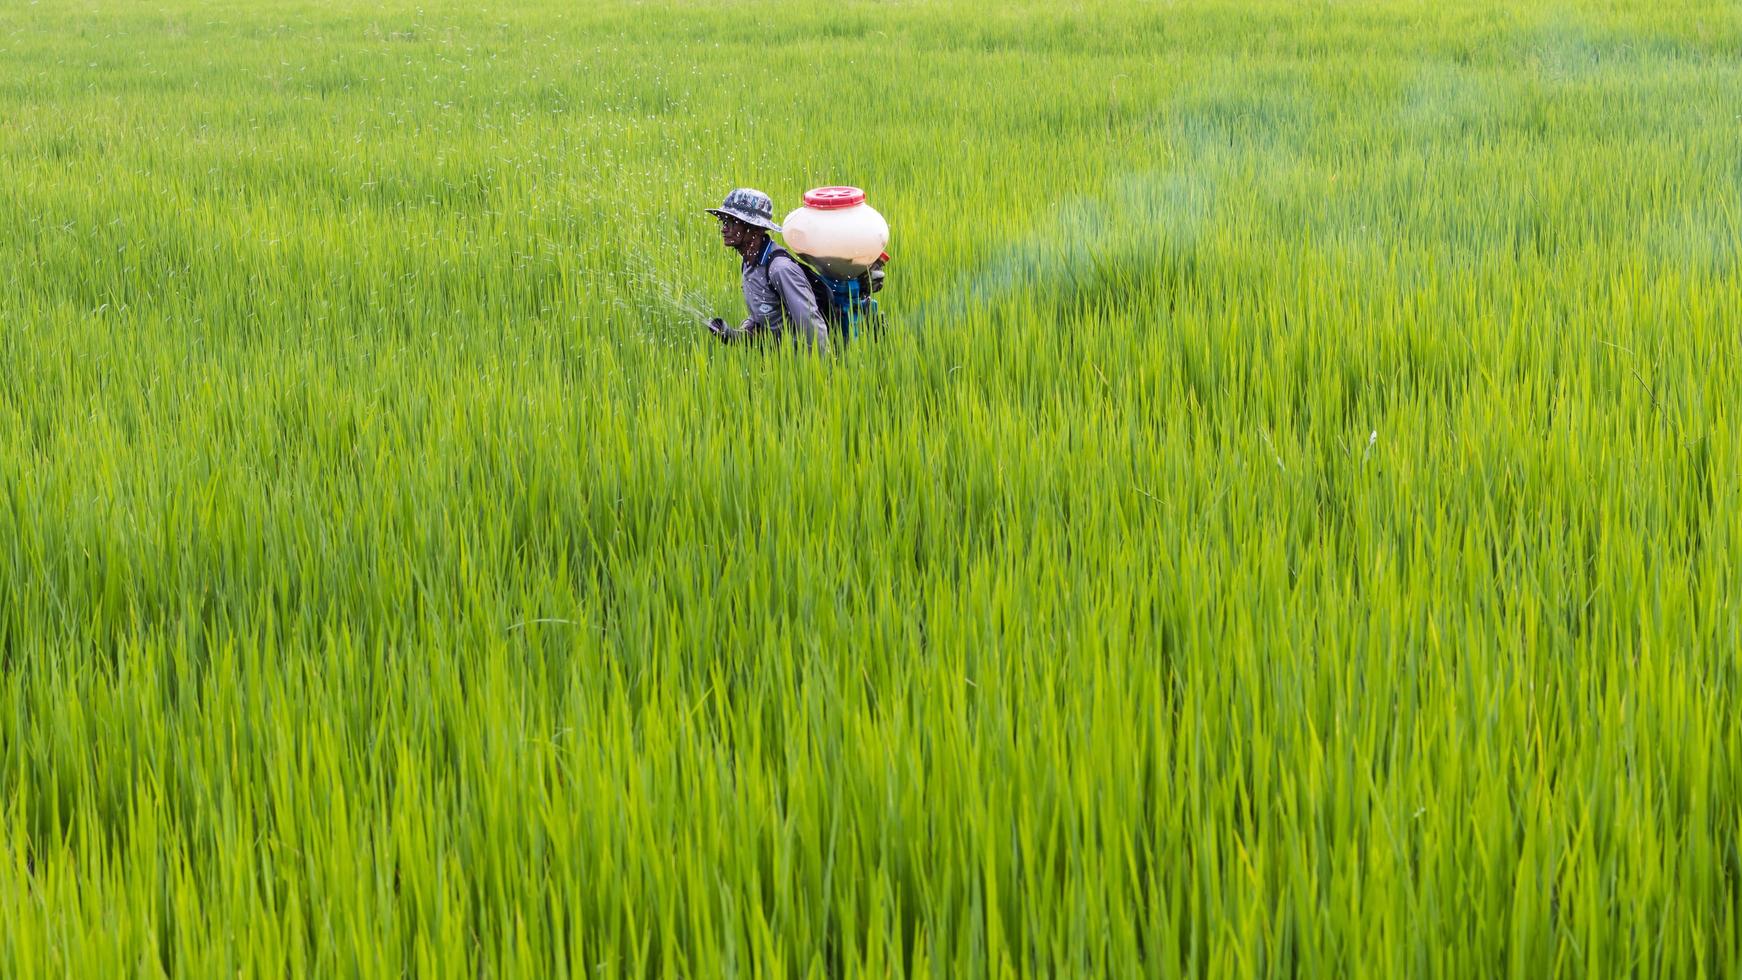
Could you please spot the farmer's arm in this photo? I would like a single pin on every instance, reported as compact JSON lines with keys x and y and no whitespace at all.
{"x":751,"y":327}
{"x":764,"y":308}
{"x":799,"y":301}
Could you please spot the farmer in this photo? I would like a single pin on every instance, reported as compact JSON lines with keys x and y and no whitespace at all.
{"x":776,"y":290}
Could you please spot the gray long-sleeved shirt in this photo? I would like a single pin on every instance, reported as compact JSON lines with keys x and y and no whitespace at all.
{"x":777,"y":292}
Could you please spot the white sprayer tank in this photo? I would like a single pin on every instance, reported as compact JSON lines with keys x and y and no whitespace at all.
{"x":837,"y":231}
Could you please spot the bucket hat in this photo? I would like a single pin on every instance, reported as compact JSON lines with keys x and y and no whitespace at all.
{"x":749,"y":206}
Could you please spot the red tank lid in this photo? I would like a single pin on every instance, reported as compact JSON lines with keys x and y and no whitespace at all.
{"x":833,"y":198}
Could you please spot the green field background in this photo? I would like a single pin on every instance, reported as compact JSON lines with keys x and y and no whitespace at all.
{"x":1291,"y":525}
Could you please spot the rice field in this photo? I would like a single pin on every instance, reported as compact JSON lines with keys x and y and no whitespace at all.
{"x":1292,"y":525}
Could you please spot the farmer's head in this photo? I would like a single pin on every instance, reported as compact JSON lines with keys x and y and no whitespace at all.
{"x":746,"y":216}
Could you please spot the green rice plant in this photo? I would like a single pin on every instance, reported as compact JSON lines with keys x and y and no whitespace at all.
{"x":1291,"y":526}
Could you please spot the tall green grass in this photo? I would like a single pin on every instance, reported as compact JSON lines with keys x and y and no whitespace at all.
{"x":1292,"y":525}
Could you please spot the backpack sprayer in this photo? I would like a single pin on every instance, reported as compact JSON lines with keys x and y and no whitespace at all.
{"x":841,"y":241}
